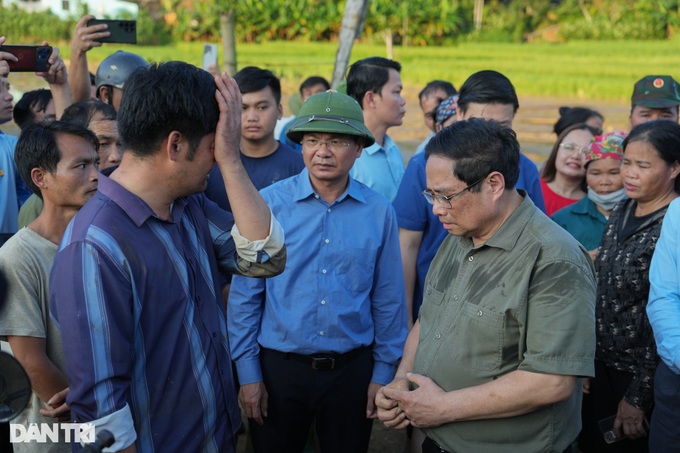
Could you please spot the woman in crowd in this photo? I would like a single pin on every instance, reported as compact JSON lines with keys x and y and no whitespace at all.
{"x":575,"y":115}
{"x":626,"y":356}
{"x":585,"y":219}
{"x":563,"y":179}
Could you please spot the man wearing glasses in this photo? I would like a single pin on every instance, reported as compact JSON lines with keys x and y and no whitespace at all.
{"x":507,"y":322}
{"x":316,"y":342}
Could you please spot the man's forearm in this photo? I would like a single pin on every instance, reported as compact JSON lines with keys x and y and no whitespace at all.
{"x":251,"y":213}
{"x":409,"y":356}
{"x":516,"y":393}
{"x":79,"y":77}
{"x":46,"y":379}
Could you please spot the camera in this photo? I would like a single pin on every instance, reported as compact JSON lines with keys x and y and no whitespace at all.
{"x":30,"y":58}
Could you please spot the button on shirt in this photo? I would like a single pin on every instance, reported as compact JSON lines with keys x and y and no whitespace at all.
{"x":139,"y":305}
{"x":342,"y":288}
{"x":380,"y":168}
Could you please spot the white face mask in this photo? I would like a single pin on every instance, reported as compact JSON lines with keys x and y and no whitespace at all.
{"x":607,"y":201}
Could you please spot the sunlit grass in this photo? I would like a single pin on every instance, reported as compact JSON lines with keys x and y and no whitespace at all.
{"x":594,"y":70}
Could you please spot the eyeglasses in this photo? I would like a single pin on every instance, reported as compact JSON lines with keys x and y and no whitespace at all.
{"x":314,"y":144}
{"x":573,"y":147}
{"x":431,"y":197}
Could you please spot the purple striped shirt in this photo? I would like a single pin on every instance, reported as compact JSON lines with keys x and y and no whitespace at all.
{"x":139,"y":305}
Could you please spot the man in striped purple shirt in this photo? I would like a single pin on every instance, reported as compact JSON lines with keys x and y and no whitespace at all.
{"x":135,"y":284}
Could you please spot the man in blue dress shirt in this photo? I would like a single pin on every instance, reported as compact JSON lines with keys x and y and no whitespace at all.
{"x":135,"y":283}
{"x":316,"y":342}
{"x":376,"y":85}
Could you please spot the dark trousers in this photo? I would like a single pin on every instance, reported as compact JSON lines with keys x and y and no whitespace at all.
{"x":299,"y":395}
{"x":664,"y":433}
{"x":607,"y":390}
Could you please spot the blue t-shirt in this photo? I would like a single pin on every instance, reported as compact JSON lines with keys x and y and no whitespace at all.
{"x":263,"y":172}
{"x":285,"y":141}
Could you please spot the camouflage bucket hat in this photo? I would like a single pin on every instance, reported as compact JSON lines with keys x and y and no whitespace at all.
{"x":332,"y":113}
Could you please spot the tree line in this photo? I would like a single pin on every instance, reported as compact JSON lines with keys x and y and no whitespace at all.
{"x":404,"y":22}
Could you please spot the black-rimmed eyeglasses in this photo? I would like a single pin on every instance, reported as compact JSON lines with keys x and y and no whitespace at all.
{"x":445,"y":201}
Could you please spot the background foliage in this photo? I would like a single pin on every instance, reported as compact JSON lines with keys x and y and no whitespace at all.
{"x":410,"y":22}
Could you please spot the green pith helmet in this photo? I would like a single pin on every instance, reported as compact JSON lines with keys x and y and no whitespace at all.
{"x":332,"y":113}
{"x":656,"y":92}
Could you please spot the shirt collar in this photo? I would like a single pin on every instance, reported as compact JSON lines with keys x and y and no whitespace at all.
{"x":304,"y":189}
{"x":136,"y":208}
{"x":507,"y":235}
{"x":388,"y":144}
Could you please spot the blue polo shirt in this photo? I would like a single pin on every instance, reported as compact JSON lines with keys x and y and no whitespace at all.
{"x":380,"y":168}
{"x":583,"y":221}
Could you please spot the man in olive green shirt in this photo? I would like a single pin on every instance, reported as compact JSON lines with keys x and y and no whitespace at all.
{"x":507,"y":323}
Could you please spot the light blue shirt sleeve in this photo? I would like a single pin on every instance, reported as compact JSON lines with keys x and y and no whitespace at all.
{"x":663,"y":309}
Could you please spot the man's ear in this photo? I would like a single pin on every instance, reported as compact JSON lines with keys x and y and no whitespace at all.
{"x":104,"y":94}
{"x":497,"y":182}
{"x":174,"y":145}
{"x":368,"y":100}
{"x":280,"y":112}
{"x":38,"y":178}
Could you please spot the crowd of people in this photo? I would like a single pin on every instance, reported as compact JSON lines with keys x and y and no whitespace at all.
{"x":174,"y":265}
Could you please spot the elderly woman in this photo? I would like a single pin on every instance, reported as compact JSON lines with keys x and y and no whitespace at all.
{"x":626,"y":356}
{"x":585,"y":219}
{"x":563,"y":179}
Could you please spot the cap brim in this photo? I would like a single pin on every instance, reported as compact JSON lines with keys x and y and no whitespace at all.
{"x":657,"y":103}
{"x":302,"y":125}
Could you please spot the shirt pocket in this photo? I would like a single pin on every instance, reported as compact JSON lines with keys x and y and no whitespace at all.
{"x":479,"y":338}
{"x":356,"y":269}
{"x":430,"y":309}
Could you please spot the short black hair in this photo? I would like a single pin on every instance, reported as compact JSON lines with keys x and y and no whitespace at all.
{"x":663,"y":136}
{"x":251,"y":79}
{"x":487,"y":87}
{"x":166,"y":97}
{"x":369,"y":74}
{"x":437,"y":85}
{"x":37,"y":148}
{"x":314,"y":80}
{"x":477,"y":147}
{"x":82,"y":113}
{"x":574,"y":115}
{"x":23,"y":110}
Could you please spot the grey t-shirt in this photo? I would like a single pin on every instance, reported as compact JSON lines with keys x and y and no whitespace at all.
{"x":26,"y":260}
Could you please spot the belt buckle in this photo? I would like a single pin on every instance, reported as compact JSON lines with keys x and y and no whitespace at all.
{"x":323,"y":363}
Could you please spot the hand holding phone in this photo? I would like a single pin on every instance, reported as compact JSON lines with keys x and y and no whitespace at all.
{"x":612,"y":435}
{"x":29,"y":58}
{"x":121,"y":31}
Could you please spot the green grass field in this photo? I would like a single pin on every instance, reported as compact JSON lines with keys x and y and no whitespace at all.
{"x":587,"y":70}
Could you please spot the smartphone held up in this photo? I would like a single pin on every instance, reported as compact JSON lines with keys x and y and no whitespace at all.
{"x":30,"y":58}
{"x":121,"y":31}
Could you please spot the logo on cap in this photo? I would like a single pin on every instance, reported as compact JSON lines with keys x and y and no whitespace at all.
{"x":658,"y":83}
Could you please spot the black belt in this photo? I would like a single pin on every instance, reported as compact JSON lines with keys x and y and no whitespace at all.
{"x":320,"y":362}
